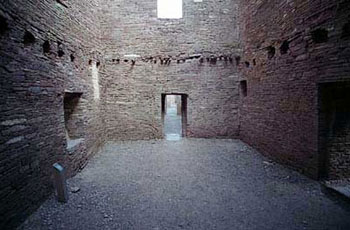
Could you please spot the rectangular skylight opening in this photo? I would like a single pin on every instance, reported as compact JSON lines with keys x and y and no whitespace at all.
{"x":171,"y":9}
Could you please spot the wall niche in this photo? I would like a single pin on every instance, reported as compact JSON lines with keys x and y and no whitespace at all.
{"x":244,"y":88}
{"x":73,"y":118}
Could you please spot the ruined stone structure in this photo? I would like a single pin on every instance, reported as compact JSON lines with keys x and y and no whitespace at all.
{"x":47,"y":54}
{"x":75,"y":74}
{"x":294,"y":53}
{"x":193,"y":56}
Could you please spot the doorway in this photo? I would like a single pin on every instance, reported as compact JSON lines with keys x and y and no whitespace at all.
{"x":334,"y":130}
{"x":174,"y":116}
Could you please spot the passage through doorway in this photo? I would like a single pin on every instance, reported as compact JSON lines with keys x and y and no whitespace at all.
{"x":334,"y":130}
{"x":174,"y":116}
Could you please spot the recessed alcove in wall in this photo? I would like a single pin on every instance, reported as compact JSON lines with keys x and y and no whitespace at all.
{"x":284,"y":47}
{"x":319,"y":35}
{"x":3,"y":25}
{"x":95,"y":79}
{"x":72,"y":57}
{"x":60,"y":51}
{"x":238,"y":60}
{"x":46,"y":47}
{"x":243,"y":85}
{"x":73,"y":118}
{"x":271,"y":51}
{"x":346,"y":30}
{"x":334,"y":130}
{"x":28,"y":38}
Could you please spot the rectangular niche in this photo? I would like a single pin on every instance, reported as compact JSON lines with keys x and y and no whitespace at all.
{"x":73,"y":118}
{"x":244,"y":88}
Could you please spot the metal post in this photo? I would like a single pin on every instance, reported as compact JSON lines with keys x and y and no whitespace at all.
{"x":60,"y":183}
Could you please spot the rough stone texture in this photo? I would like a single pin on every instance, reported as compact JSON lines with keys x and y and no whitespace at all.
{"x":32,"y":85}
{"x":279,"y":116}
{"x":193,"y":55}
{"x":190,"y":184}
{"x":49,"y":48}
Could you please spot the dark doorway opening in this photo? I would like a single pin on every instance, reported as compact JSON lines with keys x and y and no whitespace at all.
{"x":73,"y":118}
{"x":174,"y":116}
{"x":334,"y":130}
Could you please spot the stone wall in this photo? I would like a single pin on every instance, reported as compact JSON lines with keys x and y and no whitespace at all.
{"x":45,"y":51}
{"x":193,"y":55}
{"x":119,"y":58}
{"x":291,"y":47}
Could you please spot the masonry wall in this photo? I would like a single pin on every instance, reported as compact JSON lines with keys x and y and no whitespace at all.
{"x":279,"y":116}
{"x":120,"y":58}
{"x":194,"y":55}
{"x":32,"y":85}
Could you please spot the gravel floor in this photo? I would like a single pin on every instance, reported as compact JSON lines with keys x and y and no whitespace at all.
{"x":189,"y":184}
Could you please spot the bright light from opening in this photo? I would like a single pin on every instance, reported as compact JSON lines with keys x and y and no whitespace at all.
{"x":169,"y":8}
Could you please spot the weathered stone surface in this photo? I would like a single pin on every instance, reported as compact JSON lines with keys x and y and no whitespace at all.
{"x":171,"y":52}
{"x":32,"y":85}
{"x":13,"y":122}
{"x":120,"y":57}
{"x":15,"y":140}
{"x":280,"y":116}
